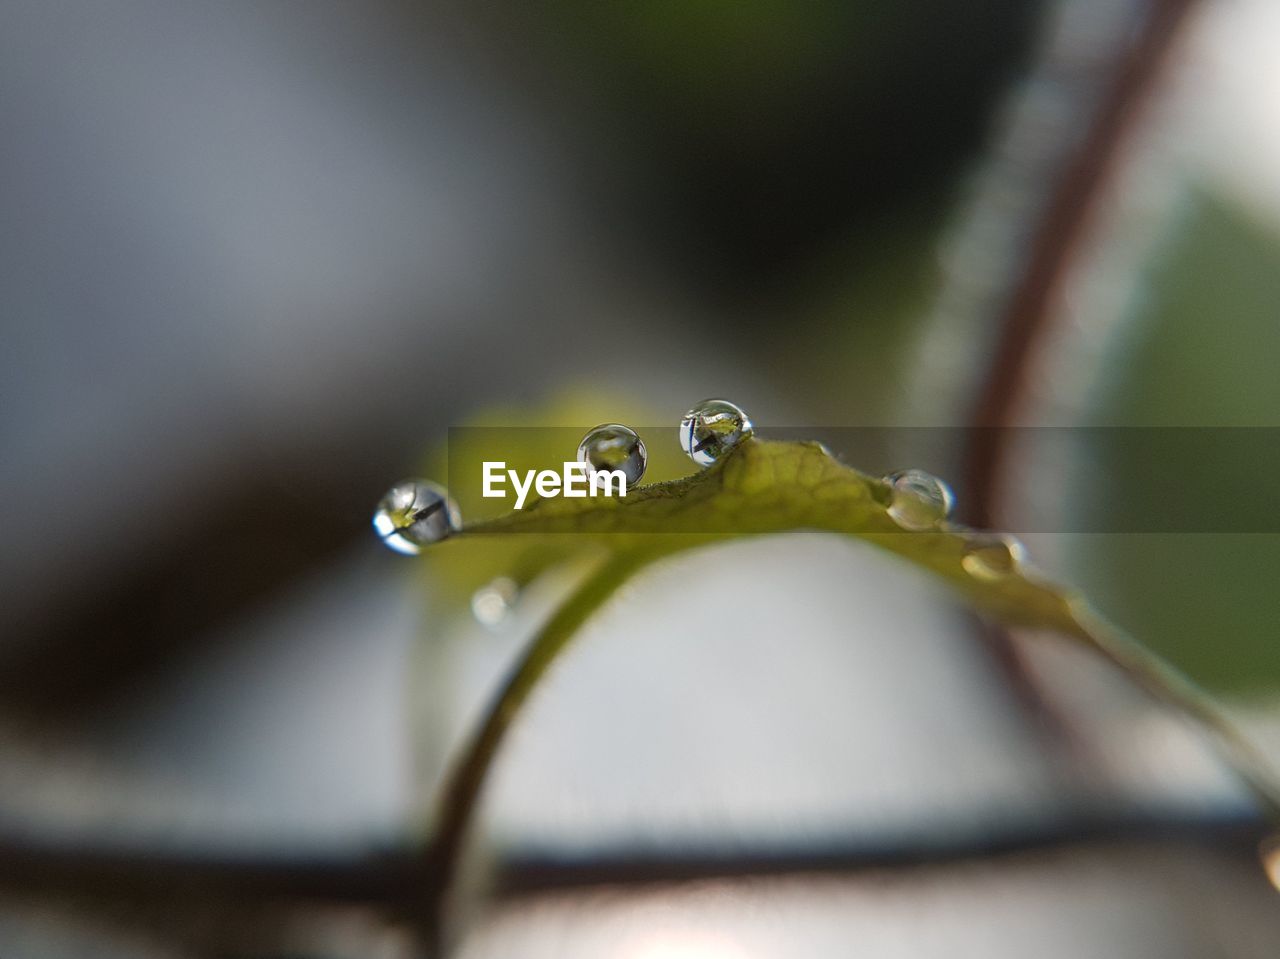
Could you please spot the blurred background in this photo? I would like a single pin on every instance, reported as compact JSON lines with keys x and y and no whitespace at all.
{"x":258,"y":258}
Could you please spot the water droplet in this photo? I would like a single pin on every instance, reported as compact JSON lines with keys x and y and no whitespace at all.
{"x":711,"y":429}
{"x":414,"y":514}
{"x":918,"y":500}
{"x":1269,"y":853}
{"x":992,"y":555}
{"x":492,"y":603}
{"x":613,"y":446}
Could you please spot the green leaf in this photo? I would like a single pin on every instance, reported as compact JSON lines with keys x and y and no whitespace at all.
{"x":771,"y":487}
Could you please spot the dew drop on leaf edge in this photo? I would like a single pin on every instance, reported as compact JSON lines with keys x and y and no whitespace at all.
{"x":612,"y":446}
{"x":992,"y":556}
{"x":711,"y":429}
{"x":414,"y":514}
{"x":918,"y":500}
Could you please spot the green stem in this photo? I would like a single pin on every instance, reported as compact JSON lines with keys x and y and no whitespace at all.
{"x":458,"y":803}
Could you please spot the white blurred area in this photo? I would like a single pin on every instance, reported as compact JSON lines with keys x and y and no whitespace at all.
{"x":1137,"y":901}
{"x":803,"y":692}
{"x":783,"y":695}
{"x":1231,"y":91}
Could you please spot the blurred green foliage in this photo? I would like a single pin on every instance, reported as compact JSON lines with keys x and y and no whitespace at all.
{"x":1204,"y":352}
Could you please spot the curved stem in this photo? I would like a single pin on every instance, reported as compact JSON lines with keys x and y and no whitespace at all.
{"x":1168,"y":686}
{"x":1055,"y":246}
{"x":458,"y":802}
{"x":1029,"y":309}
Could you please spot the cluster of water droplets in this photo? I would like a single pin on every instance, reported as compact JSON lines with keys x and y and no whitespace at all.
{"x":417,"y":513}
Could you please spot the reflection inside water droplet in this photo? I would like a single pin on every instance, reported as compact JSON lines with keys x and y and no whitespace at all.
{"x":613,"y":446}
{"x":918,"y":500}
{"x":492,"y":603}
{"x":414,"y":514}
{"x":711,"y":429}
{"x":992,"y":555}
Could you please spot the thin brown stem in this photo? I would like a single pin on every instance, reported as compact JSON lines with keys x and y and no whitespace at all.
{"x":1058,"y":240}
{"x":1057,"y":243}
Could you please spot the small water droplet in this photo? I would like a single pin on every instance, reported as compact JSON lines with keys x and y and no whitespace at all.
{"x":612,"y":446}
{"x":992,"y":555}
{"x":492,"y":603}
{"x":1269,"y":853}
{"x":414,"y":514}
{"x":711,"y":429}
{"x":918,"y":500}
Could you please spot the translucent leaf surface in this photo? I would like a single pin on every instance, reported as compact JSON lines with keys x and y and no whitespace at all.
{"x":769,"y":487}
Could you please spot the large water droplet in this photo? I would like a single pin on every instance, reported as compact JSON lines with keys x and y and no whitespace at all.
{"x":492,"y":603}
{"x":414,"y":514}
{"x":612,"y":446}
{"x":711,"y":429}
{"x":992,"y":555}
{"x":918,"y":500}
